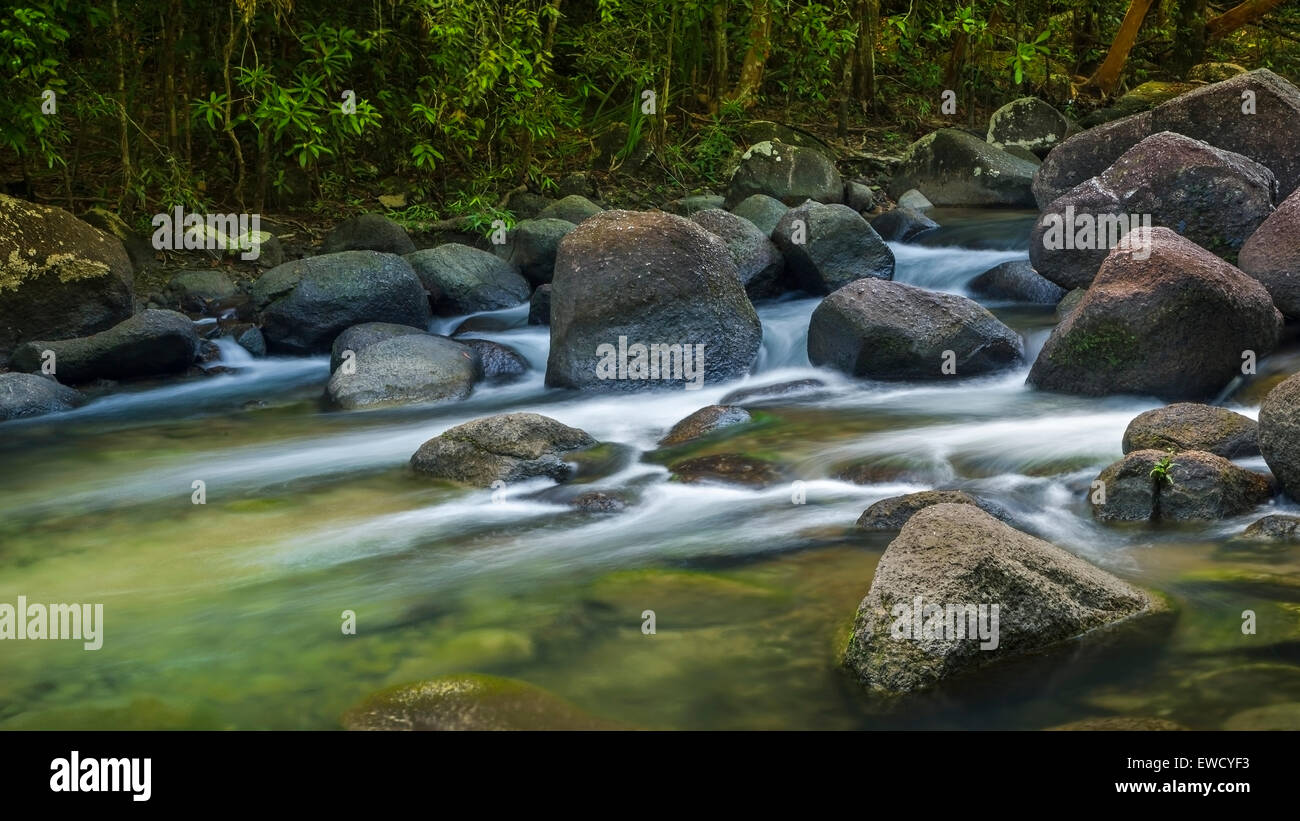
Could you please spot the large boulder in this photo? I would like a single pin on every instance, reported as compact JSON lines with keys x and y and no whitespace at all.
{"x":1279,"y":434}
{"x":764,"y":211}
{"x":305,"y":303}
{"x":1192,"y":485}
{"x":888,"y":330}
{"x":465,"y":280}
{"x":151,"y":343}
{"x":368,"y":232}
{"x":1213,"y":197}
{"x":509,"y":447}
{"x":629,"y":288}
{"x":405,"y":369}
{"x":1028,"y":123}
{"x":1191,"y":426}
{"x":757,"y":259}
{"x":59,"y":277}
{"x":902,"y":224}
{"x":952,"y":167}
{"x":23,"y":395}
{"x":531,"y":245}
{"x":1016,"y":281}
{"x":574,"y":208}
{"x":789,"y":173}
{"x":1163,"y":317}
{"x":957,"y":558}
{"x":828,"y":246}
{"x":1272,"y":255}
{"x":1214,"y":113}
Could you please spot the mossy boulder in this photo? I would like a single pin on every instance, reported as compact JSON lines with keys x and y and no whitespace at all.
{"x":705,"y":421}
{"x":955,"y":168}
{"x":764,"y":211}
{"x":1163,"y":317}
{"x":574,"y":208}
{"x":59,"y":277}
{"x":1028,"y":123}
{"x":788,"y":173}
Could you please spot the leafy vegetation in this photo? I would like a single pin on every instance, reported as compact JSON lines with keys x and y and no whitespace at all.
{"x":281,"y":103}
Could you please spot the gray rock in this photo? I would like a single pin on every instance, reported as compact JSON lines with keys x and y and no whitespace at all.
{"x":465,"y":280}
{"x":539,"y":306}
{"x":1200,"y":487}
{"x":196,"y":290}
{"x":1279,"y":434}
{"x":1028,"y":123}
{"x":686,"y":206}
{"x":1214,"y":198}
{"x":757,"y":259}
{"x":902,"y":224}
{"x":151,"y":343}
{"x":573,"y":208}
{"x":1210,"y":113}
{"x":893,"y":513}
{"x":838,"y":246}
{"x":859,"y":196}
{"x":305,"y":303}
{"x":509,"y":448}
{"x":1273,"y":528}
{"x":359,"y":337}
{"x":368,"y":232}
{"x":952,"y":167}
{"x":1272,"y":255}
{"x":764,"y":211}
{"x":501,"y":363}
{"x":1018,"y":281}
{"x":403,"y":370}
{"x":911,"y":198}
{"x":251,"y":340}
{"x":788,"y":173}
{"x":1191,"y":426}
{"x":24,"y":395}
{"x":531,"y":245}
{"x":959,"y":556}
{"x":527,"y":205}
{"x":888,"y":330}
{"x":654,"y":279}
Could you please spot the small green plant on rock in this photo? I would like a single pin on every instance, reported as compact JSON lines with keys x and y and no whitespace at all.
{"x":1160,"y":470}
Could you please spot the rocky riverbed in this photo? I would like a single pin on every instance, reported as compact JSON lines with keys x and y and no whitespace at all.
{"x":681,"y":470}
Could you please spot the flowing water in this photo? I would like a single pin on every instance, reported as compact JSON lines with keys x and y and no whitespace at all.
{"x":228,"y":614}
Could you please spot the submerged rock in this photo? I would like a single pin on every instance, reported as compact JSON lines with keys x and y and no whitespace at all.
{"x":730,"y":468}
{"x":957,"y":555}
{"x":508,"y":447}
{"x":889,"y":330}
{"x":151,"y":343}
{"x":24,"y":395}
{"x":1273,"y":528}
{"x":1191,"y":426}
{"x":468,"y":702}
{"x":1191,"y":485}
{"x":705,"y":421}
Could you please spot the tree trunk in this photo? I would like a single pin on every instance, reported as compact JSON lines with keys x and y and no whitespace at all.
{"x":864,"y":80}
{"x":760,"y":43}
{"x":719,"y":85}
{"x":123,"y":122}
{"x":1238,"y":16}
{"x":1189,"y":35}
{"x":1107,"y":75}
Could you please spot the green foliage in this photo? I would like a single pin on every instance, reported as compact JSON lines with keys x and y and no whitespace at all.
{"x":1160,"y":471}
